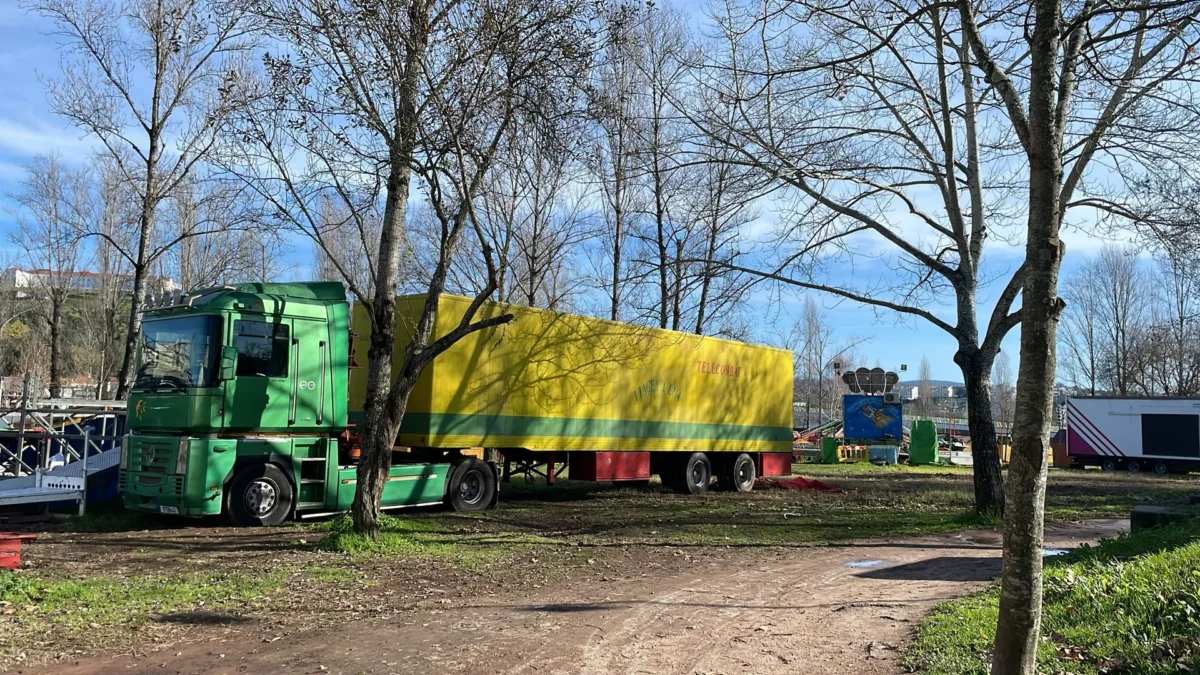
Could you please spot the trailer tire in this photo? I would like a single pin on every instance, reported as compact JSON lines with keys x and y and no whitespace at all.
{"x":472,"y":486}
{"x":737,"y":473}
{"x":692,"y":475}
{"x":1162,"y":468}
{"x":1133,"y":466}
{"x":1108,"y":465}
{"x":260,"y":495}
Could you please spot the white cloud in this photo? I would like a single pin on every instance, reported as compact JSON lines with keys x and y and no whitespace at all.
{"x":23,"y":140}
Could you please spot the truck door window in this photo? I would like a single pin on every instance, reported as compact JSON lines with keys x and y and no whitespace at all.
{"x":262,"y":348}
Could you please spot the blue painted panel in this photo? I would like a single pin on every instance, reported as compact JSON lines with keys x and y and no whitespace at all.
{"x":869,"y":418}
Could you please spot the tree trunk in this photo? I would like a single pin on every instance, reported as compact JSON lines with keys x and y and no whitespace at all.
{"x":618,"y":222}
{"x":379,"y":426}
{"x":385,"y":402}
{"x":140,"y":268}
{"x":710,"y":250}
{"x":661,"y":242}
{"x":1020,"y":613}
{"x":56,"y":303}
{"x":133,"y":326}
{"x":981,"y":424}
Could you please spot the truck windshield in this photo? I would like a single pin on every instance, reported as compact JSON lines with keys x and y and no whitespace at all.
{"x":178,"y":353}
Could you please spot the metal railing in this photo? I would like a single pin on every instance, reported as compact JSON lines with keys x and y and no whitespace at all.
{"x":66,"y":429}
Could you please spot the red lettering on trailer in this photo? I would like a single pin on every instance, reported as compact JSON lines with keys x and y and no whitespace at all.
{"x":710,"y":368}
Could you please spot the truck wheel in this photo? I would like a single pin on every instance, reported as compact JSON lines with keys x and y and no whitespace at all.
{"x":1133,"y":466}
{"x":693,"y":474}
{"x":260,"y":495}
{"x":737,"y":474}
{"x":1108,"y":465}
{"x":472,"y":486}
{"x":1162,"y":468}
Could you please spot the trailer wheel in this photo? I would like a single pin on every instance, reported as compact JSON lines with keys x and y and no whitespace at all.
{"x":693,"y":474}
{"x":1162,"y":468}
{"x":472,"y":486}
{"x":1133,"y":466}
{"x":1108,"y":465}
{"x":260,"y":495}
{"x":737,"y":474}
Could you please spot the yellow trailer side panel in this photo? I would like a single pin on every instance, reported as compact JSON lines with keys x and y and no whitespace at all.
{"x":554,"y":381}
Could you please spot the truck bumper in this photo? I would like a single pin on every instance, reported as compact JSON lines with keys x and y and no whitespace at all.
{"x":150,"y":480}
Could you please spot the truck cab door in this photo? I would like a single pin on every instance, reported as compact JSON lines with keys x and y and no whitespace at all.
{"x":260,"y":394}
{"x":310,"y":395}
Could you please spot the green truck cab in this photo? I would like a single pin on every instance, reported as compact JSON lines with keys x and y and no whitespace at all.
{"x":239,"y":407}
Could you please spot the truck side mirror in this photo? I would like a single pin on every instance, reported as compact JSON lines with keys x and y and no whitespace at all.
{"x":228,"y":363}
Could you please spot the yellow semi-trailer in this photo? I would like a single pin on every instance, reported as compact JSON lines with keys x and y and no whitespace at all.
{"x":246,"y":396}
{"x":622,"y":401}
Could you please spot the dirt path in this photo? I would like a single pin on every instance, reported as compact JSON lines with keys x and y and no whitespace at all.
{"x":844,"y":609}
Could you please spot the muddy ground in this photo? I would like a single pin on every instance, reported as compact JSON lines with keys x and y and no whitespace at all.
{"x":578,"y":578}
{"x":839,"y":609}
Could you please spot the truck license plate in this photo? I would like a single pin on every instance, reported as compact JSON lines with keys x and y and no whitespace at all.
{"x":169,"y":510}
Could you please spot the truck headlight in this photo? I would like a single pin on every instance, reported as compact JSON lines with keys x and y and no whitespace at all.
{"x":125,"y":454}
{"x":181,"y":456}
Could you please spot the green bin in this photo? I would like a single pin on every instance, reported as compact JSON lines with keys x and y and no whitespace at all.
{"x":922,"y":443}
{"x":829,"y":450}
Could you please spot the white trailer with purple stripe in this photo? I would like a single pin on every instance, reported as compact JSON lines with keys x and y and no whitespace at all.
{"x":1135,"y":434}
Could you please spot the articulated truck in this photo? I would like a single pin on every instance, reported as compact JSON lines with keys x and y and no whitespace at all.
{"x":248,"y":399}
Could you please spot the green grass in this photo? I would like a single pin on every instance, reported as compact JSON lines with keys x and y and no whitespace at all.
{"x":424,"y":538}
{"x":1129,"y":605}
{"x":878,"y":502}
{"x":331,"y":575}
{"x":36,"y":601}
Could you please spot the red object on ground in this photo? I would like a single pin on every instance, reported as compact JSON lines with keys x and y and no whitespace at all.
{"x":610,"y":465}
{"x":10,"y":549}
{"x":775,"y":464}
{"x":798,"y":483}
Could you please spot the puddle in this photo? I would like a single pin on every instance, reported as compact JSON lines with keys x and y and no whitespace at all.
{"x":864,"y":563}
{"x":1055,"y":551}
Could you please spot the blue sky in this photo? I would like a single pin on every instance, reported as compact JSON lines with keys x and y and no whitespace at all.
{"x":27,"y":127}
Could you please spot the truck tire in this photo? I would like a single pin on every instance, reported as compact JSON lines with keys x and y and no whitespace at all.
{"x":692,"y":475}
{"x":1162,"y":468}
{"x":472,"y":486}
{"x":737,"y":473}
{"x":1133,"y":466}
{"x":260,"y":495}
{"x":1108,"y":465}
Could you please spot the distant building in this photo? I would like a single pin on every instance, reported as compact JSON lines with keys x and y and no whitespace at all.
{"x":15,"y":277}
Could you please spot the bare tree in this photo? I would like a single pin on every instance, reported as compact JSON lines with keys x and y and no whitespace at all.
{"x":260,"y":256}
{"x":348,"y":244}
{"x":720,"y":205}
{"x":1177,"y":281}
{"x":109,"y":213}
{"x":883,"y":156}
{"x":816,"y":347}
{"x":925,"y":388}
{"x":1075,"y":87}
{"x":52,"y":202}
{"x":198,"y":240}
{"x":659,"y":52}
{"x":536,"y":211}
{"x":1003,"y":392}
{"x":613,"y":99}
{"x":1121,"y":285}
{"x":365,"y":101}
{"x":152,"y":80}
{"x":1080,"y":337}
